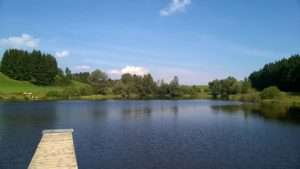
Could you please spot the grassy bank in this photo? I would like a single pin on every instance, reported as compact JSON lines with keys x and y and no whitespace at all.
{"x":22,"y":90}
{"x":14,"y":90}
{"x":291,"y":99}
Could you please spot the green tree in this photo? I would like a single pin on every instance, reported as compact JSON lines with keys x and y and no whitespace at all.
{"x":225,"y":87}
{"x":98,"y":79}
{"x":35,"y":66}
{"x":215,"y":88}
{"x":68,"y":74}
{"x":270,"y":93}
{"x":149,"y":86}
{"x":81,"y":76}
{"x":174,"y":88}
{"x":285,"y":74}
{"x":246,"y":86}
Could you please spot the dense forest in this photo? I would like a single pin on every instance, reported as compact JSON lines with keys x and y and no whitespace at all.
{"x":36,"y":67}
{"x":285,"y":74}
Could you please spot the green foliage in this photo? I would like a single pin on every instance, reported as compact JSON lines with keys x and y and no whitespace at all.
{"x":70,"y":92}
{"x":85,"y":91}
{"x":68,"y":74}
{"x":98,"y":79}
{"x":285,"y":74}
{"x":225,"y":87}
{"x":149,"y":86}
{"x":251,"y":96}
{"x":53,"y":94}
{"x":133,"y":86}
{"x":144,"y":87}
{"x":174,"y":88}
{"x":215,"y":88}
{"x":246,"y":86}
{"x":36,"y":67}
{"x":10,"y":87}
{"x":61,"y":80}
{"x":81,"y":77}
{"x":270,"y":93}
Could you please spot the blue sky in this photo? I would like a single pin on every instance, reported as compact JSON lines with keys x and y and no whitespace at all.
{"x":198,"y":40}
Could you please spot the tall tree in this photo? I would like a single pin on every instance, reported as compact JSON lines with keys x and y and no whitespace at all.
{"x":37,"y":67}
{"x":98,"y":79}
{"x":285,"y":74}
{"x":68,"y":74}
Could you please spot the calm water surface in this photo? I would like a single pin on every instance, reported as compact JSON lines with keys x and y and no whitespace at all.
{"x":155,"y":134}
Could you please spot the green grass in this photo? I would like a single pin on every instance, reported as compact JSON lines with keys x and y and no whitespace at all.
{"x":14,"y":87}
{"x":290,"y":99}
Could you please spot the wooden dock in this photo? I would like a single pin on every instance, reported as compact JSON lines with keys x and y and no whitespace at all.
{"x":55,"y":151}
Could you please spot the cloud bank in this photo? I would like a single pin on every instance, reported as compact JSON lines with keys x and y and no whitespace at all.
{"x":23,"y":41}
{"x":62,"y":54}
{"x":133,"y":70}
{"x":174,"y":7}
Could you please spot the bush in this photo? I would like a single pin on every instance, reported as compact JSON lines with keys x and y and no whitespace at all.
{"x":12,"y":98}
{"x":70,"y":92}
{"x":61,"y":80}
{"x":270,"y":93}
{"x":85,"y":91}
{"x":250,"y":97}
{"x":53,"y":93}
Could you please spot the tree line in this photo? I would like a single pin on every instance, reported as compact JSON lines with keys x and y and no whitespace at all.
{"x":285,"y":74}
{"x":223,"y":88}
{"x":36,"y":67}
{"x":280,"y":75}
{"x":134,"y":86}
{"x":41,"y":69}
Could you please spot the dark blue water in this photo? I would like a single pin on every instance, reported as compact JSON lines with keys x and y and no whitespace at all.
{"x":152,"y":134}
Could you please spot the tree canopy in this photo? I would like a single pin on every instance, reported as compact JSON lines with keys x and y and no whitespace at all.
{"x":285,"y":74}
{"x":36,"y":67}
{"x":225,"y":87}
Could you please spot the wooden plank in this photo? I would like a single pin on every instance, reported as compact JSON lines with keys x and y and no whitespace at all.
{"x":55,"y":151}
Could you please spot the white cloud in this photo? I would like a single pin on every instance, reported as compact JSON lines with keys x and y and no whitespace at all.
{"x":185,"y":75}
{"x":62,"y":54}
{"x":23,"y":41}
{"x":83,"y":67}
{"x":133,"y":70}
{"x":175,"y":6}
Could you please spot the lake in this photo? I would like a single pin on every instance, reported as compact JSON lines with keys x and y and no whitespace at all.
{"x":185,"y":134}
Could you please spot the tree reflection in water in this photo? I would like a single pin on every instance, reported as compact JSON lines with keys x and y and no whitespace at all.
{"x":267,"y":110}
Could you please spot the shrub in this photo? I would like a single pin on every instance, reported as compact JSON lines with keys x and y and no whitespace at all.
{"x":270,"y":93}
{"x":61,"y":80}
{"x":250,"y":97}
{"x":12,"y":98}
{"x":70,"y":92}
{"x":53,"y":93}
{"x":84,"y":91}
